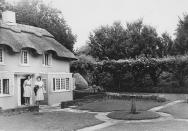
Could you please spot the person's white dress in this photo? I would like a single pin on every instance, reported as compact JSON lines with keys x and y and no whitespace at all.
{"x":27,"y":88}
{"x":40,"y":91}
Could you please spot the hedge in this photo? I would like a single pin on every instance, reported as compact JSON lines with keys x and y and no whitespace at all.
{"x":136,"y":74}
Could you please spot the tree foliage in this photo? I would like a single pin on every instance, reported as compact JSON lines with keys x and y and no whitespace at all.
{"x":181,"y":41}
{"x":36,"y":13}
{"x":108,"y":42}
{"x":117,"y":42}
{"x":167,"y":45}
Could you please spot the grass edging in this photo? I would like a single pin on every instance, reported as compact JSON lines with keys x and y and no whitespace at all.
{"x":124,"y":115}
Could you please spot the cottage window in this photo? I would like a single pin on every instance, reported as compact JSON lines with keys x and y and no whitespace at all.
{"x":1,"y":56}
{"x":4,"y":86}
{"x":61,"y":84}
{"x":47,"y":59}
{"x":24,"y":57}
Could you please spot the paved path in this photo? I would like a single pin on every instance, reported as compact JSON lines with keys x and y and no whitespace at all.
{"x":165,"y":123}
{"x":116,"y":124}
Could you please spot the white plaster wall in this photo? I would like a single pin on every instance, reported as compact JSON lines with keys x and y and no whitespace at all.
{"x":10,"y":101}
{"x":58,"y":97}
{"x":12,"y":64}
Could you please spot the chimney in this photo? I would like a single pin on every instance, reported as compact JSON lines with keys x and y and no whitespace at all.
{"x":9,"y":17}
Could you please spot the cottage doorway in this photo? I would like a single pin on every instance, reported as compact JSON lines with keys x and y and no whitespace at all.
{"x":22,"y":91}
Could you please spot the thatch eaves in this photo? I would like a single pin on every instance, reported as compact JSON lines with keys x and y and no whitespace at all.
{"x":24,"y":36}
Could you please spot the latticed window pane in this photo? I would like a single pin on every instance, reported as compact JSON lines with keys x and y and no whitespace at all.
{"x":62,"y":83}
{"x":5,"y":86}
{"x":58,"y":83}
{"x":24,"y":59}
{"x":67,"y":83}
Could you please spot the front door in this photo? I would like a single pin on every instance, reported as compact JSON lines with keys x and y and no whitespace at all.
{"x":45,"y":81}
{"x":22,"y":91}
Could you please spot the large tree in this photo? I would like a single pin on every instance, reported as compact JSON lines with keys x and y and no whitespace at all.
{"x":118,"y":42}
{"x":181,"y":41}
{"x":108,"y":42}
{"x":36,"y":13}
{"x":143,"y":40}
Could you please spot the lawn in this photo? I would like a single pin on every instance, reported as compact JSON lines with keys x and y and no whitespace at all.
{"x":118,"y":105}
{"x":179,"y":110}
{"x":53,"y":121}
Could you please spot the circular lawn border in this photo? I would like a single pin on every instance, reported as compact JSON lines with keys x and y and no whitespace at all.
{"x":124,"y":115}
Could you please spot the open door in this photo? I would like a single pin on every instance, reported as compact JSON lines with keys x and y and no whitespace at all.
{"x":45,"y":101}
{"x":22,"y":91}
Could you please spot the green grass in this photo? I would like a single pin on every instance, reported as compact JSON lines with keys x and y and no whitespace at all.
{"x":53,"y":121}
{"x":118,"y":105}
{"x":124,"y":115}
{"x":179,"y":110}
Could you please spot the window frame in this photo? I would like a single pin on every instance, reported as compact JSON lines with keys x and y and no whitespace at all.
{"x":22,"y":57}
{"x":2,"y":87}
{"x":62,"y":84}
{"x":49,"y":63}
{"x":45,"y":82}
{"x":3,"y":56}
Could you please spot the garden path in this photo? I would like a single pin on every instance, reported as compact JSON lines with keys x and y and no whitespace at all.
{"x":112,"y":123}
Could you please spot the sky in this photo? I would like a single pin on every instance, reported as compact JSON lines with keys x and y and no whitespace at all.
{"x":83,"y":16}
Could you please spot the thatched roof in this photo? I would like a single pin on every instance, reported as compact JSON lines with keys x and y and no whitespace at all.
{"x":24,"y":36}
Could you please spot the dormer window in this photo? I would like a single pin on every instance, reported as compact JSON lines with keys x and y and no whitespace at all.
{"x":24,"y":57}
{"x":1,"y":56}
{"x":47,"y":59}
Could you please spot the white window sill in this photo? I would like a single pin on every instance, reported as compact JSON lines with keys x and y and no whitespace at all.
{"x":47,"y":66}
{"x":5,"y":95}
{"x":61,"y":91}
{"x":25,"y":65}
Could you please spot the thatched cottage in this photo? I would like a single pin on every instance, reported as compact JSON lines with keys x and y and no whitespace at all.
{"x":27,"y":50}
